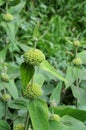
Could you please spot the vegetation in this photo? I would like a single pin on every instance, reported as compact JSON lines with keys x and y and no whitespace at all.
{"x":42,"y":65}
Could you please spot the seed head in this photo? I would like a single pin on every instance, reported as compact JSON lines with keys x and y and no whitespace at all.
{"x":33,"y":91}
{"x":77,"y":43}
{"x":19,"y":127}
{"x":34,"y":57}
{"x":55,"y":117}
{"x":6,"y":97}
{"x":4,"y":77}
{"x":77,"y":61}
{"x":8,"y":17}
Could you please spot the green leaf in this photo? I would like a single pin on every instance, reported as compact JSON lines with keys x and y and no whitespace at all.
{"x":56,"y":93}
{"x":39,"y":79}
{"x":67,"y":123}
{"x":3,"y":53}
{"x":82,"y":74}
{"x":4,"y":125}
{"x":11,"y":87}
{"x":22,"y":113}
{"x":13,"y":70}
{"x":18,"y":104}
{"x":54,"y":125}
{"x":49,"y":68}
{"x":80,"y":94}
{"x":19,"y":120}
{"x":73,"y":123}
{"x":2,"y":2}
{"x":27,"y":72}
{"x":64,"y":110}
{"x":24,"y":47}
{"x":17,"y":9}
{"x":71,"y":75}
{"x":39,"y":114}
{"x":2,"y":109}
{"x":82,"y":55}
{"x":10,"y":29}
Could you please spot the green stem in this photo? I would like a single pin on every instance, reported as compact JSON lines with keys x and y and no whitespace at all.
{"x":35,"y":44}
{"x":4,"y":85}
{"x":76,"y":52}
{"x":14,"y":120}
{"x":77,"y":81}
{"x":12,"y":52}
{"x":26,"y":122}
{"x":44,"y":33}
{"x":6,"y":107}
{"x":77,"y":85}
{"x":32,"y":80}
{"x":11,"y":42}
{"x":2,"y":10}
{"x":7,"y":7}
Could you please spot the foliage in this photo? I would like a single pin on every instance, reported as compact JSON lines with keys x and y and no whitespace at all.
{"x":57,"y":30}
